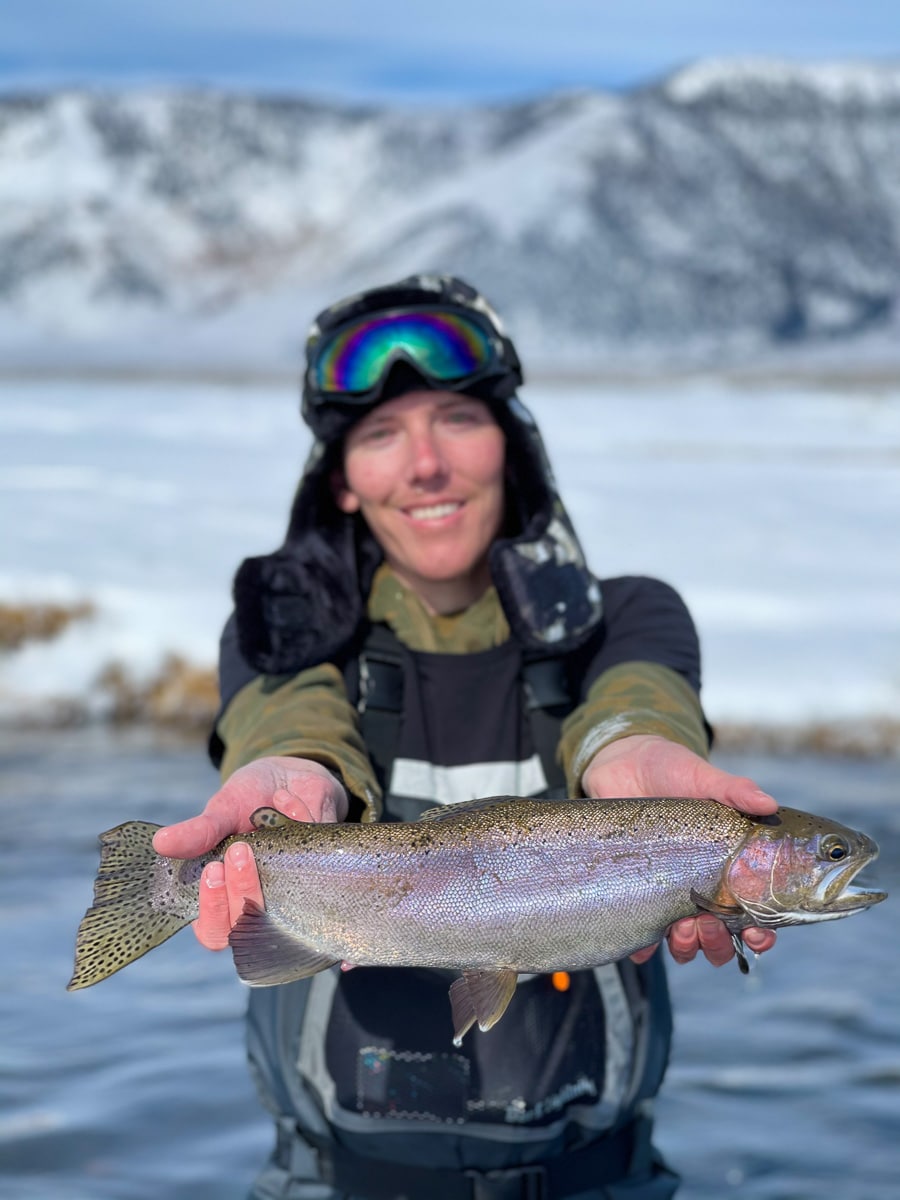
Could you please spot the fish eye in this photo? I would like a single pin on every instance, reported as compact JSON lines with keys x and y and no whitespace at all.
{"x":834,"y":849}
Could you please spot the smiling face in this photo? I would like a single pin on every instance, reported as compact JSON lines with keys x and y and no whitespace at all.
{"x":426,"y":471}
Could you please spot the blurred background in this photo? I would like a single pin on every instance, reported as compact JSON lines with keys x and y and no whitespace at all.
{"x":689,"y":219}
{"x":688,"y":215}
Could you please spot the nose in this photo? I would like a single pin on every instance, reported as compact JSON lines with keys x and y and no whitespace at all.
{"x":427,"y":465}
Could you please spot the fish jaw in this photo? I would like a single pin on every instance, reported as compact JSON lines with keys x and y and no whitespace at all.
{"x":838,"y":893}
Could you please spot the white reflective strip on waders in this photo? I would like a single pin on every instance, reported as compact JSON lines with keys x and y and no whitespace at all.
{"x":620,"y":1048}
{"x":311,"y":1059}
{"x":452,"y":785}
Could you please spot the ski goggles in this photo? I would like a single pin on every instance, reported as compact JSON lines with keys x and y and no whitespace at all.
{"x":444,"y":345}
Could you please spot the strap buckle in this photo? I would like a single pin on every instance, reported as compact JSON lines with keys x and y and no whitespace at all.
{"x":514,"y":1183}
{"x":380,"y":683}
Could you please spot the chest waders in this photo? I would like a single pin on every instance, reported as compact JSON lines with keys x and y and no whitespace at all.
{"x":370,"y":1096}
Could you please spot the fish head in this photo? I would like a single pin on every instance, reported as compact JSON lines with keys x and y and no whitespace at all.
{"x":794,"y":868}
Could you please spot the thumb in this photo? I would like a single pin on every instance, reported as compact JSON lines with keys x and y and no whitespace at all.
{"x":736,"y":791}
{"x":191,"y":838}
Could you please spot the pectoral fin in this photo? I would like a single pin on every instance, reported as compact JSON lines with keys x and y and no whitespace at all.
{"x":743,"y":964}
{"x":733,"y":918}
{"x":265,"y":953}
{"x":725,"y":912}
{"x":480,"y":996}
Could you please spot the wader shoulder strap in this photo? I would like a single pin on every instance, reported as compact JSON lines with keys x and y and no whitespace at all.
{"x":374,"y":682}
{"x":548,"y":700}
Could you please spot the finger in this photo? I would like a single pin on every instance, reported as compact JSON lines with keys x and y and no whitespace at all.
{"x":744,"y":795}
{"x":213,"y":923}
{"x":759,"y":940}
{"x":310,"y":798}
{"x":715,"y":940}
{"x":241,"y":880}
{"x":736,"y":791}
{"x":683,"y":940}
{"x":302,"y":807}
{"x":191,"y":838}
{"x":641,"y":956}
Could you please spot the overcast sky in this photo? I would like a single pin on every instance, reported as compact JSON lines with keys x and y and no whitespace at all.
{"x":420,"y":51}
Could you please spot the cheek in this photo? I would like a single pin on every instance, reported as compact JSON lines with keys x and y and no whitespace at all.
{"x":485,"y":462}
{"x":367,"y":482}
{"x":497,"y":488}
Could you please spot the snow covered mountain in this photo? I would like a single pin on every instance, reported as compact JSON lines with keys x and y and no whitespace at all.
{"x":732,"y":208}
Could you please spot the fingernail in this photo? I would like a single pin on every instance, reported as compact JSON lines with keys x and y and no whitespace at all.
{"x":708,"y":924}
{"x":214,"y":875}
{"x":239,"y":855}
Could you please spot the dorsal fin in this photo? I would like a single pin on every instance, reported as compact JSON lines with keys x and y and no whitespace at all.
{"x":483,"y":803}
{"x":446,"y":811}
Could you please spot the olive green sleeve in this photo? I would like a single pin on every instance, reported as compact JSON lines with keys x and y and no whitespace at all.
{"x":633,"y":697}
{"x":306,"y":715}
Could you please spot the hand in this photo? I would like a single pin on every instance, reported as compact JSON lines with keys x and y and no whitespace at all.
{"x":645,"y":765}
{"x":303,"y":790}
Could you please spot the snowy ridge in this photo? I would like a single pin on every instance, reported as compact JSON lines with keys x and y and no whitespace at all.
{"x":844,"y":84}
{"x":734,"y":208}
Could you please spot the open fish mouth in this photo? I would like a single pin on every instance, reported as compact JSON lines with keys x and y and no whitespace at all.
{"x":837,"y":894}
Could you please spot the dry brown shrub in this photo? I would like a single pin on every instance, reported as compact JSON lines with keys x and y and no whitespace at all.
{"x":183,"y":693}
{"x":21,"y":623}
{"x":859,"y":738}
{"x":180,"y":694}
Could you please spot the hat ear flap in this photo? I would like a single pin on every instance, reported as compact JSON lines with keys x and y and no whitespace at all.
{"x":297,"y":607}
{"x":551,"y":599}
{"x":304,"y":604}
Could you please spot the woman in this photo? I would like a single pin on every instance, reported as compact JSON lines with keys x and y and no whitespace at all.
{"x":428,"y":633}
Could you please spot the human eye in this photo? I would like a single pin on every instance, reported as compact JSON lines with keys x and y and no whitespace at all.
{"x":372,"y":433}
{"x":464,"y":414}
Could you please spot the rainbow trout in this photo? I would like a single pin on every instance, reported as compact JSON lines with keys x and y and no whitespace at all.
{"x":491,"y":888}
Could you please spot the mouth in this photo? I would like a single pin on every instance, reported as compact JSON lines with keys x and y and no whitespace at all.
{"x":836,"y":892}
{"x":434,"y":512}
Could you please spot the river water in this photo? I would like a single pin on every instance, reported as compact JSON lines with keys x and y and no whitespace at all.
{"x":783,"y":1086}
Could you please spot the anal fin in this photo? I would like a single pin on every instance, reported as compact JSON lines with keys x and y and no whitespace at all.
{"x":482,"y":997}
{"x":265,"y":953}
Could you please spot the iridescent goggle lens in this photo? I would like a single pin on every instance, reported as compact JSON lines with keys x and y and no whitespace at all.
{"x":445,"y":346}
